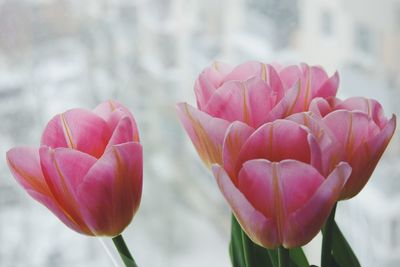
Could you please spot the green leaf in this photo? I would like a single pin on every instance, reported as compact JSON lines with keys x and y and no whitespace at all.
{"x":298,"y":257}
{"x":235,"y":246}
{"x":341,"y":250}
{"x":241,"y":248}
{"x":273,"y":256}
{"x":258,"y":256}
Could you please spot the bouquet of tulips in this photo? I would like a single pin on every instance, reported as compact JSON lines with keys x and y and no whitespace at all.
{"x":282,"y":148}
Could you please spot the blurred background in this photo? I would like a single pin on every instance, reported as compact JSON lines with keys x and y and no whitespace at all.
{"x":60,"y":54}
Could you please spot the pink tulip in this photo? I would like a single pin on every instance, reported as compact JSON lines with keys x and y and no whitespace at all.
{"x":253,"y":93}
{"x":275,"y":181}
{"x":276,"y":174}
{"x":88,"y":169}
{"x":362,"y":133}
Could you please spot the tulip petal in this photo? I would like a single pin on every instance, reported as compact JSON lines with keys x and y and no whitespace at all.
{"x":355,"y":128}
{"x":311,"y":82}
{"x":365,"y":159}
{"x":276,"y":141}
{"x":78,"y":129}
{"x":207,"y":133}
{"x":316,"y":78}
{"x":53,"y":206}
{"x":235,"y":137}
{"x":305,"y":222}
{"x":247,"y":101}
{"x":320,"y":106}
{"x":279,"y":190}
{"x":24,"y":163}
{"x":251,"y":69}
{"x":289,"y":76}
{"x":365,"y":105}
{"x":246,"y":71}
{"x":260,"y":229}
{"x":123,"y":131}
{"x":329,"y":87}
{"x":321,"y":139}
{"x":54,"y":133}
{"x":209,"y":80}
{"x":111,"y":190}
{"x":112,"y":112}
{"x":64,"y":169}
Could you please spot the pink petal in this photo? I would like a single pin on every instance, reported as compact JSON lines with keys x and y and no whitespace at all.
{"x":350,"y":129}
{"x":278,"y":189}
{"x":64,"y":169}
{"x":320,"y":106}
{"x":289,"y":76}
{"x":287,"y":105}
{"x":320,"y":139}
{"x":281,"y":190}
{"x":209,"y":80}
{"x":54,"y":134}
{"x":235,"y":137}
{"x":315,"y":77}
{"x":306,"y":221}
{"x":329,"y":87}
{"x":112,"y":112}
{"x":274,"y":81}
{"x":59,"y":212}
{"x":115,"y":121}
{"x":207,"y":133}
{"x":260,"y":229}
{"x":122,"y":133}
{"x":365,"y":159}
{"x":311,"y":82}
{"x":365,"y":105}
{"x":111,"y":190}
{"x":247,"y":101}
{"x":78,"y":129}
{"x":276,"y":141}
{"x":24,"y":164}
{"x":246,"y":71}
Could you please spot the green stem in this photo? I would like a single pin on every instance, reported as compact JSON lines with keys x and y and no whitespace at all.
{"x":124,"y":251}
{"x":246,"y":249}
{"x":284,"y":257}
{"x":326,"y":253}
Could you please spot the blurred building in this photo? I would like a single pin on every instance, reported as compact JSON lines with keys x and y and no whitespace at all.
{"x":362,"y":34}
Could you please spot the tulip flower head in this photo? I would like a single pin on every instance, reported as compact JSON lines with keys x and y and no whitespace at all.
{"x":271,"y":158}
{"x":362,"y":133}
{"x":87,"y":170}
{"x":253,"y":93}
{"x":274,"y":180}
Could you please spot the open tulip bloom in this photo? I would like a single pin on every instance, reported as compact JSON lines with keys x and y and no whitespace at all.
{"x":87,"y":171}
{"x":283,"y":150}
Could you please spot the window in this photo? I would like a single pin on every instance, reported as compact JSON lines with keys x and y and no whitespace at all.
{"x":326,"y":23}
{"x":363,"y":39}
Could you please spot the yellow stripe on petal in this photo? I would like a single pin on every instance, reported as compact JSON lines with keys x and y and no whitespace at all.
{"x":279,"y":212}
{"x":308,"y":89}
{"x":209,"y":151}
{"x":67,"y":132}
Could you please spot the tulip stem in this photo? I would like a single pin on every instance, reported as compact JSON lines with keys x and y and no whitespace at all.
{"x":283,"y":256}
{"x":246,"y":249}
{"x":124,"y":251}
{"x":326,"y":252}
